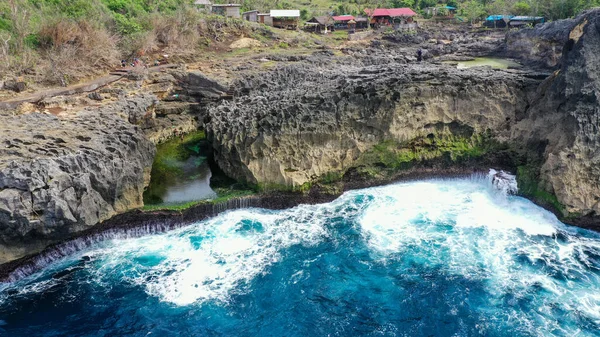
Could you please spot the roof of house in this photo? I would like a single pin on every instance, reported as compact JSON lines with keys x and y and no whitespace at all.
{"x":253,"y":11}
{"x":202,"y":2}
{"x":285,"y":13}
{"x":227,"y":5}
{"x":361,"y":19}
{"x":391,"y":12}
{"x":498,"y":17}
{"x":323,"y":20}
{"x":526,"y":18}
{"x":343,"y":18}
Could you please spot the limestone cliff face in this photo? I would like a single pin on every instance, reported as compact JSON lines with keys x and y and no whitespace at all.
{"x":542,"y":45}
{"x":60,"y":176}
{"x":566,"y":117}
{"x":301,"y":121}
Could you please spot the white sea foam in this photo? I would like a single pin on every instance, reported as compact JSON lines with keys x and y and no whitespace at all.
{"x":504,"y":181}
{"x":480,"y":234}
{"x":464,"y":227}
{"x":212,"y":260}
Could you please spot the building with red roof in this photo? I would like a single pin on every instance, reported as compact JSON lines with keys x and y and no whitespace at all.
{"x":343,"y":18}
{"x":399,"y":18}
{"x":391,"y":12}
{"x":342,"y":21}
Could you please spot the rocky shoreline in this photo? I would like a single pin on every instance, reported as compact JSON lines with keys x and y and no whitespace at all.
{"x":320,"y":123}
{"x":138,"y":223}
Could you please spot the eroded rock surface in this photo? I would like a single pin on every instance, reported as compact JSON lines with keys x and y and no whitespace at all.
{"x":542,"y":45}
{"x":61,"y":176}
{"x":566,"y":118}
{"x":304,"y":120}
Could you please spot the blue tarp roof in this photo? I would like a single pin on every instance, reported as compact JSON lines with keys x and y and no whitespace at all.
{"x":450,"y":7}
{"x":498,"y":17}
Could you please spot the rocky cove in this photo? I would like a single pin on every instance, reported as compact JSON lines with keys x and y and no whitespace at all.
{"x":311,"y":127}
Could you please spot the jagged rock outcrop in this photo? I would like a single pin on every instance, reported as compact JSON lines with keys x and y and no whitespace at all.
{"x":566,"y":118}
{"x":181,"y":110}
{"x":542,"y":45}
{"x":61,"y":176}
{"x":301,"y":121}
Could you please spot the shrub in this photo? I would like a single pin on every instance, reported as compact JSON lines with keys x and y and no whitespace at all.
{"x":75,"y":49}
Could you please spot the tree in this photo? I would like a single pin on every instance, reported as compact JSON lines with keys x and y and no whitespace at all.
{"x":403,"y":3}
{"x":473,"y":10}
{"x":521,"y":8}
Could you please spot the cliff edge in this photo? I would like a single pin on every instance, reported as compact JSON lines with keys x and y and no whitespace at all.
{"x":61,"y":176}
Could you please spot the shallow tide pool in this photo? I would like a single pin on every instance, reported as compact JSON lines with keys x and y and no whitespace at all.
{"x":486,"y":61}
{"x":429,"y":258}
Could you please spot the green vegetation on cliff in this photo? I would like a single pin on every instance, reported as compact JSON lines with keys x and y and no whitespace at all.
{"x":455,"y":148}
{"x":169,"y":157}
{"x":224,"y":195}
{"x":389,"y":157}
{"x":167,"y":170}
{"x":528,"y":182}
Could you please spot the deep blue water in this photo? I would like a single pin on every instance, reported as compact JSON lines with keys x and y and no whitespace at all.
{"x":430,"y":258}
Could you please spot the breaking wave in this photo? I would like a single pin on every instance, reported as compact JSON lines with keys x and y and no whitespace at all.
{"x":439,"y":257}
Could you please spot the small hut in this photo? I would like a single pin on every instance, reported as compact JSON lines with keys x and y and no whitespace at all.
{"x":523,"y":21}
{"x":227,"y":10}
{"x":398,"y":18}
{"x":341,"y":21}
{"x":362,"y":22}
{"x":497,"y":21}
{"x":351,"y":26}
{"x":320,"y":24}
{"x":203,"y":5}
{"x":265,"y":18}
{"x":251,"y":16}
{"x":285,"y":18}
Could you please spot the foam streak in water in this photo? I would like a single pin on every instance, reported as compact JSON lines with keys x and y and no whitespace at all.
{"x":498,"y":264}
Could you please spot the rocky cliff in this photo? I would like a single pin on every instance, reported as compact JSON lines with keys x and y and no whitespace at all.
{"x":61,"y":176}
{"x":542,"y":45}
{"x":565,"y":118}
{"x":302,"y":121}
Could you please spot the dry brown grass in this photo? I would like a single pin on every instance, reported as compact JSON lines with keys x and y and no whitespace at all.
{"x":76,"y":49}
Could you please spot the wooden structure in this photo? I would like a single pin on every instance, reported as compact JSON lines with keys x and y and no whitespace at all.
{"x":265,"y":18}
{"x":320,"y":24}
{"x":497,"y":21}
{"x":285,"y":18}
{"x":227,"y":10}
{"x":341,"y":21}
{"x":398,"y":18}
{"x":251,"y":16}
{"x":524,"y":21}
{"x":203,"y":5}
{"x":362,"y":22}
